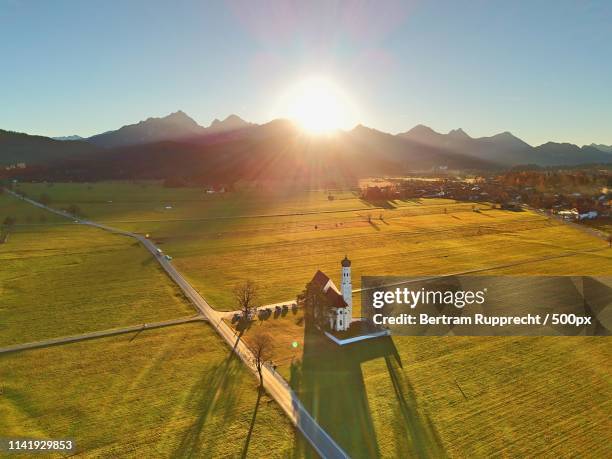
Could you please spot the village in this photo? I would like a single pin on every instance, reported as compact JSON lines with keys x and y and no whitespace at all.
{"x":571,"y":195}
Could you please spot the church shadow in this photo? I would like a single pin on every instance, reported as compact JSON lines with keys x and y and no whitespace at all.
{"x":330,"y":384}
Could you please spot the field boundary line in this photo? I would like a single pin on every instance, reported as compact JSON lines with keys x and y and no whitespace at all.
{"x":98,"y":334}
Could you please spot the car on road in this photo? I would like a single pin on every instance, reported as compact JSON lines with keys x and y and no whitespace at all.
{"x":168,"y":257}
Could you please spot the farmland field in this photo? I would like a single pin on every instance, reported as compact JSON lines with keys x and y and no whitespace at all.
{"x":459,"y":397}
{"x":402,"y":396}
{"x":58,"y":280}
{"x":220,"y":240}
{"x":172,"y":392}
{"x":24,"y":213}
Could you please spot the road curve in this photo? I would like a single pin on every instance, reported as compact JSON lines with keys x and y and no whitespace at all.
{"x":278,"y":388}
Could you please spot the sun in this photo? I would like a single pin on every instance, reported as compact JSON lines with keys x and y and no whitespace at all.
{"x":318,"y":105}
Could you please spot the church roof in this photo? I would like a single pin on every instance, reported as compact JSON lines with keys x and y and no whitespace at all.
{"x":335,"y":299}
{"x":320,"y":279}
{"x":333,"y":296}
{"x":346,"y":263}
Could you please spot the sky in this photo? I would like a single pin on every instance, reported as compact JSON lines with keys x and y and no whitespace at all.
{"x":539,"y":69}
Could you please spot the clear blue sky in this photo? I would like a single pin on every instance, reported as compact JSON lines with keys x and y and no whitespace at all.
{"x":540,"y":69}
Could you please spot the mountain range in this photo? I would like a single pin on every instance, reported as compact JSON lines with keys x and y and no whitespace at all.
{"x":232,"y":148}
{"x":177,"y":126}
{"x":606,"y":148}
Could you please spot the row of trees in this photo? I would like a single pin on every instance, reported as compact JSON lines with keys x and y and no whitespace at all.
{"x":246,"y":295}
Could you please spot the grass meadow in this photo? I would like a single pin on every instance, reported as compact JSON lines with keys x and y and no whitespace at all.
{"x":171,"y":392}
{"x":59,"y":280}
{"x":24,"y":213}
{"x":451,"y":397}
{"x":280,"y":240}
{"x":404,"y":396}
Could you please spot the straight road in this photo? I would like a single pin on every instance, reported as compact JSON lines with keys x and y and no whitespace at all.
{"x":273,"y":383}
{"x":98,"y":334}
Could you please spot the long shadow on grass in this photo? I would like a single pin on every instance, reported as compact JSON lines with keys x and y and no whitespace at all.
{"x":245,"y":449}
{"x":415,"y":426}
{"x":384,"y":203}
{"x":330,"y":384}
{"x":213,"y":395}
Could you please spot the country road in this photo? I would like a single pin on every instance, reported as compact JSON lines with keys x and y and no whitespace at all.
{"x":273,"y":383}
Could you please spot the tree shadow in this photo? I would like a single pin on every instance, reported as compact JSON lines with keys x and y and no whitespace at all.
{"x":216,"y":389}
{"x":245,"y":449}
{"x":384,"y":203}
{"x":147,"y":261}
{"x":374,"y":225}
{"x":412,"y":424}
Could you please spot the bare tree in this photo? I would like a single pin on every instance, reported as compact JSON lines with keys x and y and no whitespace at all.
{"x":261,"y":347}
{"x":245,"y":295}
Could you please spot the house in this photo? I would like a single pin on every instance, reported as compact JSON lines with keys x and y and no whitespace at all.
{"x":590,"y":215}
{"x":571,"y":214}
{"x":332,"y":308}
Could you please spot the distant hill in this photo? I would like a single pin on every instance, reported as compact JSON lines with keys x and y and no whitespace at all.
{"x":231,"y":123}
{"x":231,"y":149}
{"x":177,"y":126}
{"x":68,"y":137}
{"x":275,"y":151}
{"x":503,"y":148}
{"x":507,"y":149}
{"x":16,"y":147}
{"x":606,"y":148}
{"x":552,"y":154}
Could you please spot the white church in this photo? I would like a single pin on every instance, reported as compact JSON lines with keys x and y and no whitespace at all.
{"x":338,"y":307}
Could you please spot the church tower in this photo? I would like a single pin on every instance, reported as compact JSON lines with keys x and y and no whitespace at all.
{"x":346,"y":286}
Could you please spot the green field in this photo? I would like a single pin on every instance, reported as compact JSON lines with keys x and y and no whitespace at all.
{"x":407,"y":396}
{"x":59,"y":280}
{"x":172,"y":392}
{"x":289,"y":236}
{"x":24,"y":213}
{"x":456,"y":397}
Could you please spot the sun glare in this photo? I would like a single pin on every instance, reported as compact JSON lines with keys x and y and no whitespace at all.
{"x":318,"y":106}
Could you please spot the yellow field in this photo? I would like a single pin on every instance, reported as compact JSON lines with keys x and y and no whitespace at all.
{"x":59,"y":280}
{"x":173,"y":392}
{"x":404,"y":396}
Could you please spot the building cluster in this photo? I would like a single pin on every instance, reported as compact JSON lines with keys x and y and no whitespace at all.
{"x":510,"y":192}
{"x":11,"y":167}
